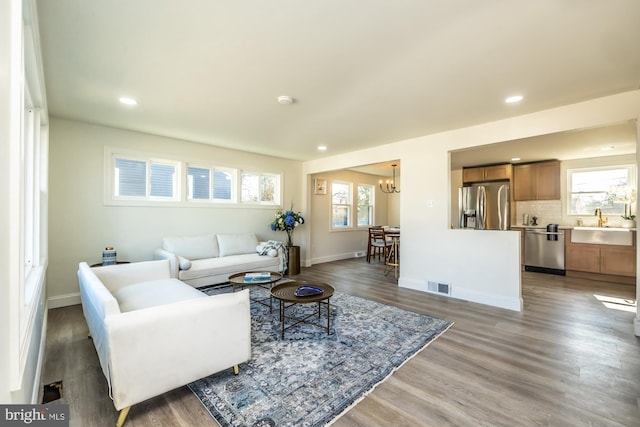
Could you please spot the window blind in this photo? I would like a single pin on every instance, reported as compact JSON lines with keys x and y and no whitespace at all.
{"x":131,"y":178}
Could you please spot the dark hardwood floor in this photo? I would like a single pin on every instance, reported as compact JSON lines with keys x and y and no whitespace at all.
{"x":566,"y":360}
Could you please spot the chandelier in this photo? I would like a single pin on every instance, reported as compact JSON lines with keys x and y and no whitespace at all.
{"x":390,"y":186}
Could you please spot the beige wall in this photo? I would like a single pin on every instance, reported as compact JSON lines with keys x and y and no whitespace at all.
{"x":330,"y":245}
{"x":393,"y":205}
{"x":81,"y":225}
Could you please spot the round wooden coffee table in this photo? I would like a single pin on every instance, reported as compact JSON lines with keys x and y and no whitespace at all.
{"x":238,"y":280}
{"x":285,"y":293}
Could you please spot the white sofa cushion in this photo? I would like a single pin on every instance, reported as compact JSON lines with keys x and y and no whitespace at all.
{"x":192,"y":247}
{"x":153,"y":293}
{"x":237,"y":244}
{"x":228,"y":265}
{"x":114,"y":277}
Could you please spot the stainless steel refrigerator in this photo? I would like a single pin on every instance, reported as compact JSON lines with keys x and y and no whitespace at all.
{"x":485,"y":206}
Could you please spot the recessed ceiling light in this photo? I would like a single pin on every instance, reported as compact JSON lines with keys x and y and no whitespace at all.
{"x":513,"y":99}
{"x":285,"y":100}
{"x":128,"y":101}
{"x":515,"y":159}
{"x":322,"y":148}
{"x":607,"y":148}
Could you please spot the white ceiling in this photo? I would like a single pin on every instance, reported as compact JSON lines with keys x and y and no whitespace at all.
{"x":362,"y":73}
{"x":616,"y":139}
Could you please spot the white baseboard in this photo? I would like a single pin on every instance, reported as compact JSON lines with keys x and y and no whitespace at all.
{"x":499,"y":301}
{"x":493,"y":300}
{"x":334,"y":257}
{"x":63,"y":300}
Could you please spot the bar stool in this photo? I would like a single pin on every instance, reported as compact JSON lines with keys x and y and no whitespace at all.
{"x":392,"y":258}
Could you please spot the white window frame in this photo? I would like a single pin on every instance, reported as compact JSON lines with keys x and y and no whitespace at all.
{"x":28,"y":156}
{"x":181,"y":191}
{"x":110,"y":197}
{"x":348,"y":205}
{"x":631,"y":174}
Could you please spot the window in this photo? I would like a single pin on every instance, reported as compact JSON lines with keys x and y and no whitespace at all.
{"x":34,"y":201}
{"x":134,"y":178}
{"x":198,"y":183}
{"x":341,"y":204}
{"x":131,"y":178}
{"x":145,"y":179}
{"x":609,"y":188}
{"x":201,"y":185}
{"x":224,"y":185}
{"x":33,"y":155}
{"x":162,"y":181}
{"x":260,"y":188}
{"x":365,"y":205}
{"x":30,"y":172}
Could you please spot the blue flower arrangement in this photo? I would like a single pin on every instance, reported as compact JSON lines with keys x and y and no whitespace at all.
{"x":287,"y":221}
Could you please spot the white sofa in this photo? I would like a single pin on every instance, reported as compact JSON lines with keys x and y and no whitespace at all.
{"x":154,"y":333}
{"x":210,"y":259}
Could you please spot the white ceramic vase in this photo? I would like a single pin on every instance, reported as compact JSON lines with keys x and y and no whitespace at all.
{"x":628,"y":223}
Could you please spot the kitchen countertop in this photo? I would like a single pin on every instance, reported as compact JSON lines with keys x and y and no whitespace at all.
{"x":543,"y":227}
{"x":562,"y":227}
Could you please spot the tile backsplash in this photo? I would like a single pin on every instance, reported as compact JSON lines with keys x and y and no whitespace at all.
{"x":547,"y":211}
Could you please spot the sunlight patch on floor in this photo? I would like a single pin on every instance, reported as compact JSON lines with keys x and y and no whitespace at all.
{"x":617,"y":303}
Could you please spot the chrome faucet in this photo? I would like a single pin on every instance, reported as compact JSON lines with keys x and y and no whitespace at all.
{"x":601,"y":221}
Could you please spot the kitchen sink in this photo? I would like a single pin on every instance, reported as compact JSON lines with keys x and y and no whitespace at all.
{"x":602,"y":236}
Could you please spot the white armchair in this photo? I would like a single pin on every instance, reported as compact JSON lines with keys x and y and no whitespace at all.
{"x":154,"y":333}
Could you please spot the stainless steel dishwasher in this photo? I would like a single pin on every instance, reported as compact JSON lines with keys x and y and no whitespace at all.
{"x":544,"y":250}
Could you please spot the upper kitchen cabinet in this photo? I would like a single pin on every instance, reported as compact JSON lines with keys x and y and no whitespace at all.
{"x":537,"y":181}
{"x":486,"y":173}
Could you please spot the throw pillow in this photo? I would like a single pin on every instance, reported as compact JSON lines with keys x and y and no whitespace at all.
{"x":270,"y":252}
{"x":185,"y":264}
{"x":192,"y":247}
{"x":236,"y":244}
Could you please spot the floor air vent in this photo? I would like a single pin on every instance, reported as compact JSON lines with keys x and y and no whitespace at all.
{"x":439,"y":288}
{"x":52,"y":391}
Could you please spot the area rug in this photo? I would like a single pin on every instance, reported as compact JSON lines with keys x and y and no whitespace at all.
{"x":311,"y":378}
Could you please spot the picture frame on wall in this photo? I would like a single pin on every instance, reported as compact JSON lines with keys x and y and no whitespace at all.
{"x":320,"y":186}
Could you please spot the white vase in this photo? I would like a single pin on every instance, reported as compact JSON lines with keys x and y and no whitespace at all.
{"x":628,"y":223}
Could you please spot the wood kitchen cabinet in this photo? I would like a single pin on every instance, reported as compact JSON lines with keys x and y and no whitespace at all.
{"x":601,"y":259}
{"x":537,"y":181}
{"x":618,"y":260}
{"x":582,"y":257}
{"x":486,"y":173}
